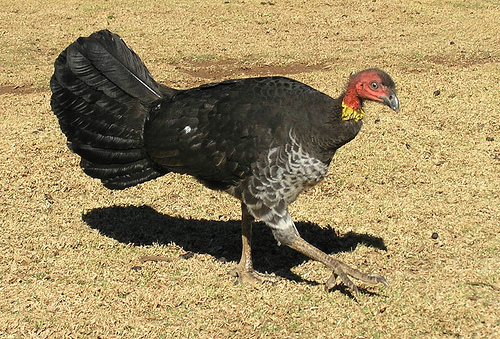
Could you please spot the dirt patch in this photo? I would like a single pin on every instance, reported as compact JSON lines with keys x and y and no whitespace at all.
{"x":20,"y":89}
{"x":213,"y":70}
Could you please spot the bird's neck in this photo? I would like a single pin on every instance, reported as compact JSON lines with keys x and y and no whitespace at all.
{"x":352,"y":109}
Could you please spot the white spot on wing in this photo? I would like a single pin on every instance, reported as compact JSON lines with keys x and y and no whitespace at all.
{"x":187,"y":129}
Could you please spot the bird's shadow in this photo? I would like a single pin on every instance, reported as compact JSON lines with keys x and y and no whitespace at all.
{"x":143,"y":226}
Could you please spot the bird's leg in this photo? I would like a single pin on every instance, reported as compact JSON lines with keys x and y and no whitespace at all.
{"x":339,"y":268}
{"x":285,"y":232}
{"x":244,"y":271}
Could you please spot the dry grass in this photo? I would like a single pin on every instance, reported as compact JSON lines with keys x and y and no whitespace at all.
{"x":70,"y":249}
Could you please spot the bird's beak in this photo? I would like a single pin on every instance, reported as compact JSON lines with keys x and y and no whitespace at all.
{"x":391,"y":100}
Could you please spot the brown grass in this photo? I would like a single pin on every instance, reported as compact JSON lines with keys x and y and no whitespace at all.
{"x":70,"y":249}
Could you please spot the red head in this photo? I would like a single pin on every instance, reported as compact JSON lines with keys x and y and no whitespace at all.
{"x":371,"y":84}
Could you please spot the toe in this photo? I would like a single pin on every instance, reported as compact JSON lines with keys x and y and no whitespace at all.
{"x":377,"y":278}
{"x":251,"y":276}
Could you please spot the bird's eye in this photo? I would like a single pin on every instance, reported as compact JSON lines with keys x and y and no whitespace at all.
{"x":373,"y":85}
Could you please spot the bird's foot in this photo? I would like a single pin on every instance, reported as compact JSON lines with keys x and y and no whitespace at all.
{"x":343,"y":271}
{"x":250,"y":276}
{"x":340,"y":270}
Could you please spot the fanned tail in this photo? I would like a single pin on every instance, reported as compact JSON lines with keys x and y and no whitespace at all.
{"x":101,"y":94}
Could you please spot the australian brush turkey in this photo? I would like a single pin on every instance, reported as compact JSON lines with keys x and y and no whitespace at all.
{"x":262,"y":140}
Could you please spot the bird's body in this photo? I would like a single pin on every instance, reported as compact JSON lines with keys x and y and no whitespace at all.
{"x":251,"y":137}
{"x":262,"y":140}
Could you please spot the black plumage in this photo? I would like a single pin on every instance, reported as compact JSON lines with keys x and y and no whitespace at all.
{"x":217,"y":132}
{"x":262,"y":140}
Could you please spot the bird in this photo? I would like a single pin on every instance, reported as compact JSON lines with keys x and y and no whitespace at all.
{"x":263,"y":140}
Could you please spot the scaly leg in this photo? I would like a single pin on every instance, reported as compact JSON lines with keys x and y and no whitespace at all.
{"x":244,"y":271}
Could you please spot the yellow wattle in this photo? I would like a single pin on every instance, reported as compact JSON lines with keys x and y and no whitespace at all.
{"x":349,"y":113}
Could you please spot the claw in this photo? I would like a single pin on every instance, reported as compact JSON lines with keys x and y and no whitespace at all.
{"x":331,"y":282}
{"x":251,"y":276}
{"x":348,"y":282}
{"x":370,"y":278}
{"x":377,"y":278}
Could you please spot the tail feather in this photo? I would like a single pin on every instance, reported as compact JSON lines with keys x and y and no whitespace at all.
{"x":87,"y":122}
{"x":117,"y":63}
{"x":101,"y":94}
{"x":116,"y":177}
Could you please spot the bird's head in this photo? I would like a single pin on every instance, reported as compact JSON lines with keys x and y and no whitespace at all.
{"x":370,"y":84}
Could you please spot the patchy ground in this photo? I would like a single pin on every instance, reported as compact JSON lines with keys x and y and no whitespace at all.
{"x":414,"y":197}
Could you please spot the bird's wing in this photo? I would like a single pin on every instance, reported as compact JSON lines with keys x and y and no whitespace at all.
{"x":216,"y":132}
